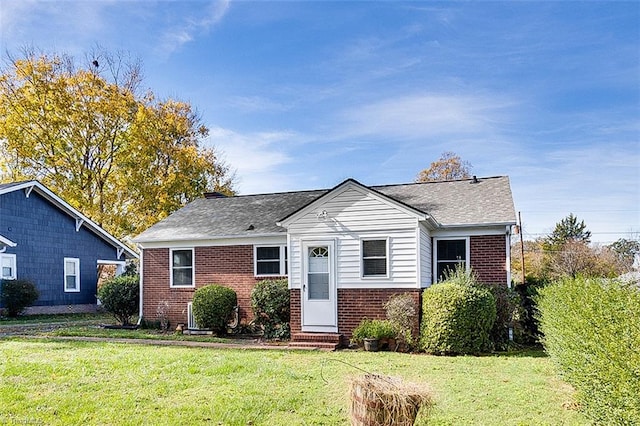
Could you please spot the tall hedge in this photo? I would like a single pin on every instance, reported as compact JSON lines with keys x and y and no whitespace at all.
{"x":17,"y":295}
{"x":456,"y":318}
{"x":212,"y":306}
{"x":591,"y":330}
{"x":120,"y":296}
{"x":271,"y":308}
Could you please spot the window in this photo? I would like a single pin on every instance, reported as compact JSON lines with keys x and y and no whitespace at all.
{"x":270,"y":260}
{"x":450,"y":254}
{"x":71,"y":274}
{"x":8,"y":265}
{"x":182,"y":271}
{"x":374,"y":258}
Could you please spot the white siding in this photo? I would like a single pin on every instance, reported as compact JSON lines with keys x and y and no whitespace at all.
{"x":426,"y":277}
{"x":354,"y":214}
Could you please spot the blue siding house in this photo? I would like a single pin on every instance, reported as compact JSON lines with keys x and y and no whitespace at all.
{"x":45,"y":240}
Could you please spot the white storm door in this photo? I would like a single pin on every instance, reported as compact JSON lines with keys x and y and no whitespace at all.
{"x":319,"y":295}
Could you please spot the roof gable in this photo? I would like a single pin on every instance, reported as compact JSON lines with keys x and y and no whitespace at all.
{"x":81,"y":220}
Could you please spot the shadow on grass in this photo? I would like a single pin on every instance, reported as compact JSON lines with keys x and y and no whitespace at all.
{"x":523,"y":352}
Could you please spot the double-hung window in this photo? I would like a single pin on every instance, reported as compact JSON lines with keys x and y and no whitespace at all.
{"x":8,"y":266}
{"x":450,"y":254}
{"x":270,"y":261}
{"x":374,"y":257}
{"x":182,"y":270}
{"x":71,"y":274}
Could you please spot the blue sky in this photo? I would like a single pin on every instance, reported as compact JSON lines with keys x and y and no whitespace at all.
{"x":302,"y":95}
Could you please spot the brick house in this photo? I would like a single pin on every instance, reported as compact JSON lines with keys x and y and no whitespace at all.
{"x":345,"y":250}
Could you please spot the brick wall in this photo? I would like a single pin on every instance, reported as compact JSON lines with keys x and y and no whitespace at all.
{"x":353,"y":306}
{"x":488,"y":258}
{"x":231,"y":266}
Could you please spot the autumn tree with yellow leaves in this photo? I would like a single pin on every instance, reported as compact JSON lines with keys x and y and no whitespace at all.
{"x":123,"y":158}
{"x":448,"y":167}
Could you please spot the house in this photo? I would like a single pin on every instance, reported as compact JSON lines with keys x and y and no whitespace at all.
{"x":344,"y":250}
{"x":45,"y":240}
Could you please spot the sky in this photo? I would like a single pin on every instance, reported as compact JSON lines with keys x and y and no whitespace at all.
{"x":303,"y":95}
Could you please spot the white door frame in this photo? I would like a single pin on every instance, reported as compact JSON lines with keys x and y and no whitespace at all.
{"x":328,"y":308}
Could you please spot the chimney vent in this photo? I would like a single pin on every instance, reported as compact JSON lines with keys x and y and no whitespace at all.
{"x":209,"y":195}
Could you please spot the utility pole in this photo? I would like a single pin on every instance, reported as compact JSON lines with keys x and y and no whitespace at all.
{"x":522,"y":249}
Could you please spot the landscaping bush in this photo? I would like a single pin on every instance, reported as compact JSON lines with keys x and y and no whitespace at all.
{"x":373,"y":329}
{"x":457,"y":316}
{"x":212,"y":307}
{"x":508,"y":314}
{"x":591,"y":330}
{"x":402,"y":312}
{"x":271,"y":309}
{"x":530,"y":333}
{"x":16,"y":295}
{"x":120,"y":296}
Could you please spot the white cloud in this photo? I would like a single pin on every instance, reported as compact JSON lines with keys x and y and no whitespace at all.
{"x":188,"y":28}
{"x":259,"y":158}
{"x":424,"y":116}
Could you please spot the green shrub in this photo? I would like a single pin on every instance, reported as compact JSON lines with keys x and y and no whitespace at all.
{"x":212,"y":307}
{"x":402,"y":312}
{"x":16,"y":295}
{"x":120,"y":296}
{"x":457,"y":316}
{"x":271,"y":309}
{"x":373,"y":329}
{"x":591,"y":331}
{"x":528,"y":292}
{"x":508,"y":314}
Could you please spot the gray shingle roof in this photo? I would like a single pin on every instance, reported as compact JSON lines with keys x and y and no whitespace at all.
{"x":450,"y":203}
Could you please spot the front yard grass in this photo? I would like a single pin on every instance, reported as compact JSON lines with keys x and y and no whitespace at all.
{"x":65,"y":382}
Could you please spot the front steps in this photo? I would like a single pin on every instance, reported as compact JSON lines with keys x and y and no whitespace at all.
{"x":322,"y":341}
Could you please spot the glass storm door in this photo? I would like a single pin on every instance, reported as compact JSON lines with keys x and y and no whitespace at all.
{"x":318,"y":289}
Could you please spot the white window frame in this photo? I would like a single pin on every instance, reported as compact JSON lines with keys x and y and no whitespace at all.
{"x":362,"y":258}
{"x":76,"y":262}
{"x":14,"y":272}
{"x":193,"y":267}
{"x":282,"y":259}
{"x":467,"y":247}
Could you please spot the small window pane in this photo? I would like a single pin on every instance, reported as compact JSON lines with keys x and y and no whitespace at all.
{"x":268,"y":268}
{"x":445,"y":268}
{"x":318,"y":286}
{"x":375,"y":267}
{"x":452,"y":250}
{"x":268,"y":253}
{"x":182,"y":277}
{"x":374,"y":248}
{"x":182,"y":258}
{"x":71,"y":282}
{"x":6,"y":272}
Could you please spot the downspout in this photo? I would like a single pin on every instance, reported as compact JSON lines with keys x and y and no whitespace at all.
{"x":141,"y":270}
{"x":508,"y":267}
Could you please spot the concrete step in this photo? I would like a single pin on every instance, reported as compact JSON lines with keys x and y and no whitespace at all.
{"x":323,"y":346}
{"x":317,"y":337}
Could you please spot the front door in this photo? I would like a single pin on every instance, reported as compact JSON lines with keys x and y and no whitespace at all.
{"x":319,"y":308}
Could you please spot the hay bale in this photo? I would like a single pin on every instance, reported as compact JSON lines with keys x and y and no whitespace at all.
{"x":383,"y":400}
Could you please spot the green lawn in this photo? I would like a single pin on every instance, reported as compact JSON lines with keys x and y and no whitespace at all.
{"x":55,"y":382}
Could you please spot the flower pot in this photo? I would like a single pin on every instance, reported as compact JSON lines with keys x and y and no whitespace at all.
{"x":371,"y":345}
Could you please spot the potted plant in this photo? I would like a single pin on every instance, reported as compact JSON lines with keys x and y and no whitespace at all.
{"x":373,"y":334}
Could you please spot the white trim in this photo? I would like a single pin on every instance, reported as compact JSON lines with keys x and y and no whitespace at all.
{"x":63,"y":205}
{"x":508,"y":258}
{"x":387,"y":253}
{"x":434,"y":249}
{"x":332,"y":245}
{"x":446,"y":233}
{"x":14,"y":266}
{"x":79,"y":223}
{"x":193,"y":267}
{"x":141,"y":278}
{"x":355,"y":185}
{"x":281,"y":260}
{"x":76,"y":262}
{"x":6,"y":242}
{"x":27,"y":191}
{"x":264,"y":239}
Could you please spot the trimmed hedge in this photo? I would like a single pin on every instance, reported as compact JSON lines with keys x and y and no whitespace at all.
{"x":591,"y":331}
{"x":120,"y":296}
{"x":271,"y":309}
{"x":16,"y":295}
{"x":457,"y":318}
{"x":212,"y":307}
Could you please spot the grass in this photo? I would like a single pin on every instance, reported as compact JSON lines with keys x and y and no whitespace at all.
{"x":56,"y":318}
{"x":65,"y":382}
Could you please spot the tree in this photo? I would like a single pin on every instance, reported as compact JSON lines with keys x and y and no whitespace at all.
{"x":124,"y":159}
{"x":448,"y":167}
{"x":568,"y":230}
{"x":625,"y":252}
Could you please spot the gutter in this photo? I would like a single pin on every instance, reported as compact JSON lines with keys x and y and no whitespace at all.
{"x":141,"y":273}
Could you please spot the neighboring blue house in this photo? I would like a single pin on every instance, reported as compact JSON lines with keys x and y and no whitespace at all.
{"x":45,"y":240}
